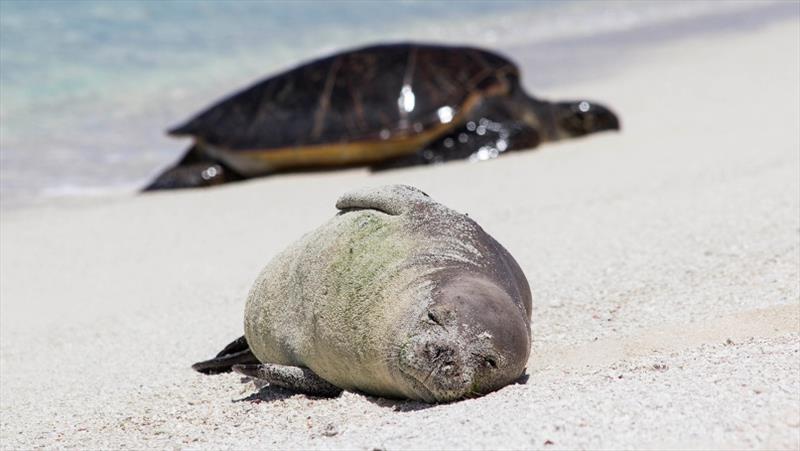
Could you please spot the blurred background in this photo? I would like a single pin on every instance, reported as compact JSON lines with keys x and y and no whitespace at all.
{"x":87,"y":88}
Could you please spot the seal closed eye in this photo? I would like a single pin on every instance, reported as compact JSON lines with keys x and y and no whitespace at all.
{"x":395,"y":296}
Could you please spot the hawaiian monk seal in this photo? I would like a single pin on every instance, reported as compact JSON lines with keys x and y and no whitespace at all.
{"x":396,"y":296}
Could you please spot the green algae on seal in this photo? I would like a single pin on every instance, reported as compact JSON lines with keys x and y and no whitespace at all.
{"x":395,"y":296}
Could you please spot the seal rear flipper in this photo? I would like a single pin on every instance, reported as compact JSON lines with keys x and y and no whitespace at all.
{"x":237,"y":352}
{"x":295,"y":378}
{"x":391,"y":199}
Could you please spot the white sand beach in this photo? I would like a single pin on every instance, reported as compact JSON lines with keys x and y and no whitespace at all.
{"x":664,"y":263}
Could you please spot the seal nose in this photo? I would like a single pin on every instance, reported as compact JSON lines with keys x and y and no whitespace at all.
{"x":438,"y":364}
{"x":442,"y":356}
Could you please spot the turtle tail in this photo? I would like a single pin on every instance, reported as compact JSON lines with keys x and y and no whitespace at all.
{"x":236,"y":353}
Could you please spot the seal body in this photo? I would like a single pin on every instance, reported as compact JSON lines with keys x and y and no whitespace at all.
{"x":395,"y":296}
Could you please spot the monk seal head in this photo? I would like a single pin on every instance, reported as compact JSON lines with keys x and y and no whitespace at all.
{"x":470,"y":340}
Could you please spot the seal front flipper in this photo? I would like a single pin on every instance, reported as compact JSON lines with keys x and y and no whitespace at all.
{"x":295,"y":378}
{"x":237,"y":352}
{"x":391,"y":199}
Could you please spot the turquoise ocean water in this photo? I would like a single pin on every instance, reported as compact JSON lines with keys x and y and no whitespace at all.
{"x":87,"y":87}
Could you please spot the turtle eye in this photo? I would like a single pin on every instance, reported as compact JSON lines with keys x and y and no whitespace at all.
{"x":490,"y":362}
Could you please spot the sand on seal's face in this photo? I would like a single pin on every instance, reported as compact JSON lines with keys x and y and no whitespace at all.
{"x":664,"y":263}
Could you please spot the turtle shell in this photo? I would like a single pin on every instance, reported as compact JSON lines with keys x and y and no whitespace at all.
{"x":356,"y":107}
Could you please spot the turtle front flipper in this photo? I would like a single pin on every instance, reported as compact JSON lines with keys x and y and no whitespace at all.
{"x":294,"y":378}
{"x":479,"y":139}
{"x":237,"y":352}
{"x":457,"y":145}
{"x":195,"y":170}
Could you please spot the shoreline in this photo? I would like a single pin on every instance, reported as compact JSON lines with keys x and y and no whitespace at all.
{"x":600,"y":54}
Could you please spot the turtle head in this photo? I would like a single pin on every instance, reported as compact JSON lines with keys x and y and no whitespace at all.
{"x":582,"y":117}
{"x":471,"y":339}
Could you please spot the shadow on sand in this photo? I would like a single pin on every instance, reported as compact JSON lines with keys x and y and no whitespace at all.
{"x":269,"y":393}
{"x":266,"y":393}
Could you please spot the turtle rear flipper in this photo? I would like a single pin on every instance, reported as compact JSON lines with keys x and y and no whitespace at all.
{"x":295,"y":378}
{"x":237,"y":352}
{"x":194,"y":170}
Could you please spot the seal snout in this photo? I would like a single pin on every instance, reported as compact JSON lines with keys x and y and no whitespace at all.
{"x":438,"y":369}
{"x":442,"y":357}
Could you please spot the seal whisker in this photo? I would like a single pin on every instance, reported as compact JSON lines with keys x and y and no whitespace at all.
{"x":425,"y":381}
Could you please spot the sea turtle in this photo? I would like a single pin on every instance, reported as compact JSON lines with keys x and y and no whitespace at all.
{"x":382,"y":106}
